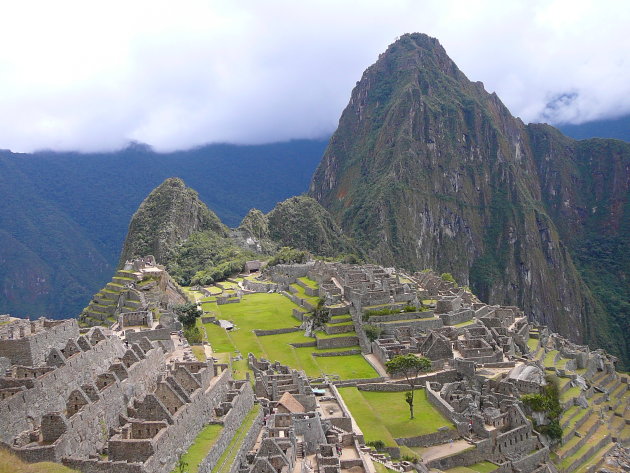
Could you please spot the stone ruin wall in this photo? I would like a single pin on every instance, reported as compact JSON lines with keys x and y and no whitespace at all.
{"x":32,"y":350}
{"x":187,"y":423}
{"x":88,"y":429}
{"x":232,"y":422}
{"x":50,"y":392}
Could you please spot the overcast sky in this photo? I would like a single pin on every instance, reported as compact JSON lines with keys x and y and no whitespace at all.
{"x":87,"y":75}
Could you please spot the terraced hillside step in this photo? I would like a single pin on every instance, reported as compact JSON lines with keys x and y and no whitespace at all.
{"x":595,"y":460}
{"x":587,"y":431}
{"x":572,"y":415}
{"x":619,"y":391}
{"x":132,"y":304}
{"x":598,"y":377}
{"x":533,"y":344}
{"x":597,"y":399}
{"x":105,"y":300}
{"x":406,"y":320}
{"x":612,"y":385}
{"x":586,"y":451}
{"x":574,"y":444}
{"x":338,"y":319}
{"x":309,"y":285}
{"x":575,"y":423}
{"x":617,"y":423}
{"x":123,"y":280}
{"x":344,"y":327}
{"x":97,"y":314}
{"x":590,"y":423}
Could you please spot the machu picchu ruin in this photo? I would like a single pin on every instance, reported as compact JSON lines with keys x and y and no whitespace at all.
{"x":291,"y":375}
{"x":444,"y":290}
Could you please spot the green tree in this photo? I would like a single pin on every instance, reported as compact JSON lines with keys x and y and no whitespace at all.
{"x":448,"y":277}
{"x":321,"y":315}
{"x":410,"y":366}
{"x":188,"y":314}
{"x":287,"y":255}
{"x":372,"y":332}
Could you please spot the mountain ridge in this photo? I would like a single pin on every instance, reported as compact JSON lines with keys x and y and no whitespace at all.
{"x":427,"y":169}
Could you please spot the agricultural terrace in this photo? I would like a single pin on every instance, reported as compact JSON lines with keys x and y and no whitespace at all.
{"x":263,"y":311}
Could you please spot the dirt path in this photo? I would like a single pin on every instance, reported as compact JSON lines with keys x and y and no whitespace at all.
{"x":444,"y":450}
{"x":376,"y":364}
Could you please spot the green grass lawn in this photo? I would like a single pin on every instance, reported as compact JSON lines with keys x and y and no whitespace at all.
{"x":385,"y":416}
{"x":228,"y":285}
{"x":225,"y":461}
{"x":570,"y":393}
{"x":532,"y":343}
{"x":380,"y":468}
{"x":199,"y":352}
{"x":303,"y":295}
{"x":273,"y":311}
{"x":309,"y":282}
{"x":549,"y":357}
{"x":214,"y":290}
{"x":201,"y":446}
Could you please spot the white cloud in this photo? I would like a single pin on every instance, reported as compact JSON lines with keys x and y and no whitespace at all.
{"x":95,"y":75}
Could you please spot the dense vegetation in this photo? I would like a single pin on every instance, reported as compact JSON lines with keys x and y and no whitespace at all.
{"x":63,"y":216}
{"x":207,"y":257}
{"x":548,"y":401}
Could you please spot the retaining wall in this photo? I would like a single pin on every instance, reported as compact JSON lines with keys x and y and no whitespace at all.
{"x":337,"y":342}
{"x":428,"y":440}
{"x":231,"y":423}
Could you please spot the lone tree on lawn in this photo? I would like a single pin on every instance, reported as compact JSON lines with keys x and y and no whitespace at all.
{"x":409,"y":366}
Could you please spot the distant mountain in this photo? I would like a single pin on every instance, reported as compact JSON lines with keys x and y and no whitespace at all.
{"x":428,"y":170}
{"x":618,"y":128}
{"x":167,"y":217}
{"x":63,"y":216}
{"x":183,"y":234}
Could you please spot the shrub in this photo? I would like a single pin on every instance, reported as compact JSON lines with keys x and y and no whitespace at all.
{"x":448,"y":277}
{"x":193,"y":335}
{"x":372,"y":332}
{"x":553,"y":430}
{"x":549,"y":403}
{"x":287,"y":255}
{"x":379,"y":445}
{"x":410,"y":459}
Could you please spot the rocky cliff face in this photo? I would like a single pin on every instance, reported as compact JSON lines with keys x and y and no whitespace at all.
{"x":166,"y":218}
{"x":427,"y":169}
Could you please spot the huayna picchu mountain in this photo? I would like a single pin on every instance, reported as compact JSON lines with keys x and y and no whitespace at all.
{"x":183,"y":234}
{"x":427,"y":169}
